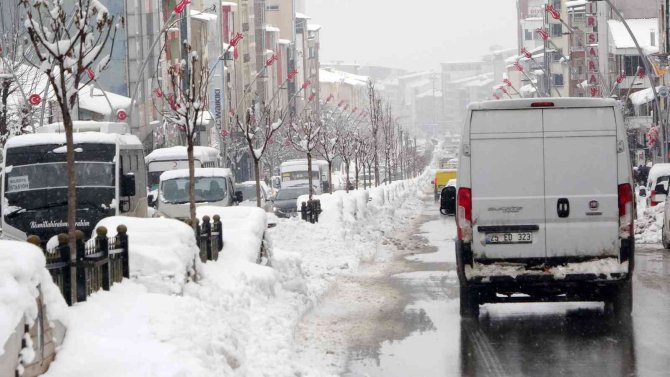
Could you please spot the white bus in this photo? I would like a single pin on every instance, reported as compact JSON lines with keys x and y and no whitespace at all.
{"x":111,"y":180}
{"x":295,"y":173}
{"x":174,"y":158}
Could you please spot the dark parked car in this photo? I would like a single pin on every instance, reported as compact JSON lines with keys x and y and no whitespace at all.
{"x":448,"y":200}
{"x":286,"y":202}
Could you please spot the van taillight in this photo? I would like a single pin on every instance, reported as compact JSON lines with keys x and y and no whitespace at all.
{"x":625,"y":211}
{"x":464,"y":214}
{"x":652,"y":202}
{"x":542,"y":104}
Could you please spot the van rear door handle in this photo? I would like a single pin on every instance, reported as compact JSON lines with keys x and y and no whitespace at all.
{"x":563,"y":207}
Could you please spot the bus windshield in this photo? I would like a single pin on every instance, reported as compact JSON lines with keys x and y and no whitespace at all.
{"x":54,"y":175}
{"x":207,"y":189}
{"x":299,"y":175}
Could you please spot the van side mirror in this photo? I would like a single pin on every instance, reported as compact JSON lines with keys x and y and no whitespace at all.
{"x":239,"y":198}
{"x":128,"y":185}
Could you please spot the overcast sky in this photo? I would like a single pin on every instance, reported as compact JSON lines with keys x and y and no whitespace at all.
{"x":412,"y":34}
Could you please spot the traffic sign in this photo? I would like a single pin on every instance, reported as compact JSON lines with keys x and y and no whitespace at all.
{"x":121,"y":114}
{"x":35,"y":99}
{"x":663,"y":92}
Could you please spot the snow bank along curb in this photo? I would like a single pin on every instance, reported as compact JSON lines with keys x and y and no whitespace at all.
{"x":649,"y":223}
{"x":31,"y":309}
{"x":239,"y":318}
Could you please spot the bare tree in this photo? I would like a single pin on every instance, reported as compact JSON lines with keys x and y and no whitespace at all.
{"x":67,"y":43}
{"x":182,"y":104}
{"x":375,"y":109}
{"x":304,"y":133}
{"x":329,"y":141}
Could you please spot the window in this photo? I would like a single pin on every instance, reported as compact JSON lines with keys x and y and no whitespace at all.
{"x":557,"y":79}
{"x":556,"y":30}
{"x":630,"y":64}
{"x":528,"y":35}
{"x":557,"y":4}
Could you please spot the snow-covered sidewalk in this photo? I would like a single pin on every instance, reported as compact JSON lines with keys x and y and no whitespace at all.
{"x":239,"y":318}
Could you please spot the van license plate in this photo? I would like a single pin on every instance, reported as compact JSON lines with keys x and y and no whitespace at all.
{"x":507,"y":238}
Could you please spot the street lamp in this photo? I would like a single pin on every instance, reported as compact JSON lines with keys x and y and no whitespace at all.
{"x":650,"y":72}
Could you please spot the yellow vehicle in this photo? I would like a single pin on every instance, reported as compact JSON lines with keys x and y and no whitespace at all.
{"x":442,"y":177}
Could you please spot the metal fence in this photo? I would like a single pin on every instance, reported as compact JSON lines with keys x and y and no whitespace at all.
{"x":94,"y":265}
{"x":310,"y":210}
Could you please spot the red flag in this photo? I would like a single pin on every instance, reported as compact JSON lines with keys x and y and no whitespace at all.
{"x":306,"y":84}
{"x":556,"y":15}
{"x":518,"y":66}
{"x":224,"y":133}
{"x":292,"y":74}
{"x":504,"y":90}
{"x":641,"y":73}
{"x":340,"y":103}
{"x":507,"y":82}
{"x":329,"y":98}
{"x":543,"y":33}
{"x":526,"y":53}
{"x":594,"y":91}
{"x":91,"y":74}
{"x":236,"y":39}
{"x":271,"y":60}
{"x":312,"y":96}
{"x":181,"y":6}
{"x":621,"y":77}
{"x":172,"y":102}
{"x":354,"y":110}
{"x":158,"y":92}
{"x":235,"y":53}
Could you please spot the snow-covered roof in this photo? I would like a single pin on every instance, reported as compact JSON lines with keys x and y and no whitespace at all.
{"x":231,"y":4}
{"x":180,"y":153}
{"x":284,"y":41}
{"x":329,"y":75}
{"x":575,"y":3}
{"x":95,"y":100}
{"x":199,"y":172}
{"x":641,"y":28}
{"x":313,"y":27}
{"x":202,"y":16}
{"x":643,"y":96}
{"x":302,"y":16}
{"x":79,"y":138}
{"x":271,"y":28}
{"x":87,"y":126}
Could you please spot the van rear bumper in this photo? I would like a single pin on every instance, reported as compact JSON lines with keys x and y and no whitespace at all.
{"x":570,"y":276}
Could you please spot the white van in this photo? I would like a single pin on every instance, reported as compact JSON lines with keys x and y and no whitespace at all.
{"x":213,"y":187}
{"x":545,"y":204}
{"x":175,"y":158}
{"x":658,"y":174}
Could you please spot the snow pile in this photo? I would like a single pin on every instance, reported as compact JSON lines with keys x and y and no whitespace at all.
{"x":243,"y":230}
{"x":239,"y":318}
{"x":22,"y":271}
{"x":163,"y":252}
{"x":648,"y":226}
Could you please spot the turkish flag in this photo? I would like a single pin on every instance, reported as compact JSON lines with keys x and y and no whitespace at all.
{"x":181,"y":6}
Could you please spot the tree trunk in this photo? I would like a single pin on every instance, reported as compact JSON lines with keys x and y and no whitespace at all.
{"x":3,"y":108}
{"x":330,"y":176}
{"x":191,"y":182}
{"x":356,"y":172}
{"x":258,"y":182}
{"x":309,"y":173}
{"x":346,"y":184}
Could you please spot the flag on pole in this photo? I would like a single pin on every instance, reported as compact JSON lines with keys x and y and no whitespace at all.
{"x":518,"y":66}
{"x":543,"y":33}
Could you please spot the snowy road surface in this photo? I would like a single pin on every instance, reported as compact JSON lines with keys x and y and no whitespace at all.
{"x":399,"y":317}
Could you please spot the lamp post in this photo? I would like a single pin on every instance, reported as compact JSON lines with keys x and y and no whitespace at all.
{"x":650,"y":72}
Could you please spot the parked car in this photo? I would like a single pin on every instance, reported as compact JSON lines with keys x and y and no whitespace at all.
{"x":550,"y":216}
{"x":659,"y":173}
{"x":213,"y":186}
{"x":286,"y":202}
{"x":448,"y":198}
{"x":248,"y":190}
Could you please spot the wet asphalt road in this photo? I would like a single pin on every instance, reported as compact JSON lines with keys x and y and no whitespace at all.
{"x":552,"y":339}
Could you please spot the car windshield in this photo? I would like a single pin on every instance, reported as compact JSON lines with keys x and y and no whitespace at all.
{"x":207,"y":189}
{"x":248,"y":192}
{"x":294,"y":193}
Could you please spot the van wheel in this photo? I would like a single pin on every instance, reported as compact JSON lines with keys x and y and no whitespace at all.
{"x":620,"y":300}
{"x":469,"y":302}
{"x":664,"y":239}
